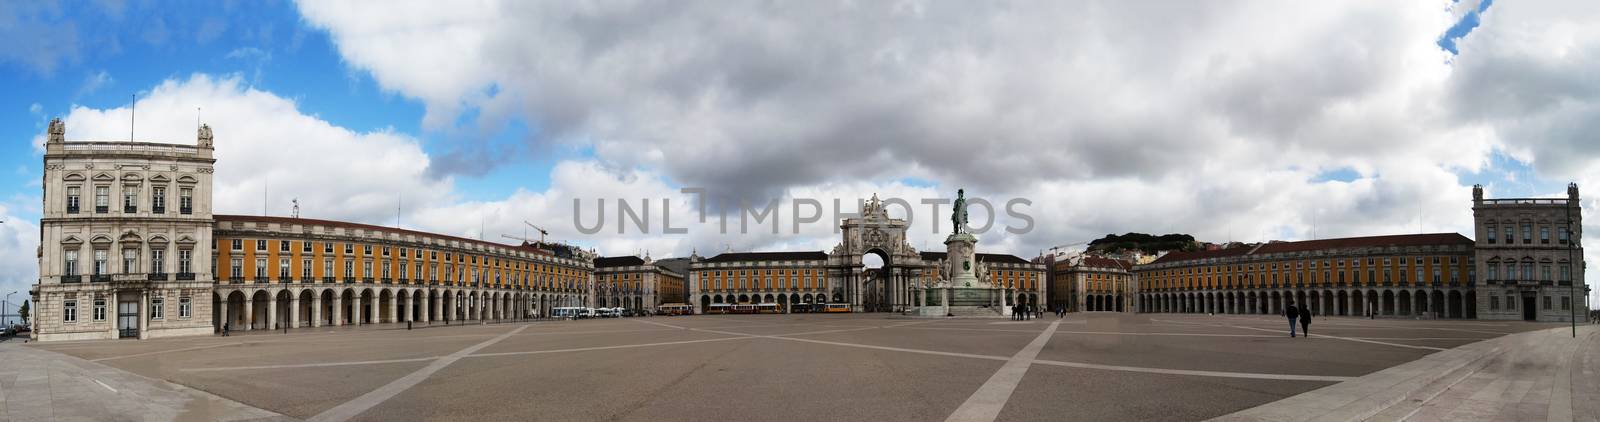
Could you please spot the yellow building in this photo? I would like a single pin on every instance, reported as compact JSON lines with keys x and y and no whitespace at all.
{"x":277,"y":271}
{"x":787,"y":278}
{"x":1429,"y":275}
{"x":635,"y":283}
{"x":1092,"y":283}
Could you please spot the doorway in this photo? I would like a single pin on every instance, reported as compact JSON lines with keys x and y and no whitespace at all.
{"x":128,"y":319}
{"x":1529,"y":312}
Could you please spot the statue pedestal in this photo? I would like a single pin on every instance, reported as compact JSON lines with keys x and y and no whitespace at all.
{"x":962,"y":257}
{"x":963,"y":302}
{"x":964,"y":294}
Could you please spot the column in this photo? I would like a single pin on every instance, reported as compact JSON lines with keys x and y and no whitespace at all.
{"x":316,"y":309}
{"x":372,"y":310}
{"x":144,"y":314}
{"x":338,"y":308}
{"x":394,"y":306}
{"x":224,"y":312}
{"x":294,"y":312}
{"x":429,"y":309}
{"x":356,"y":308}
{"x":249,"y":313}
{"x":406,"y":311}
{"x":272,"y":313}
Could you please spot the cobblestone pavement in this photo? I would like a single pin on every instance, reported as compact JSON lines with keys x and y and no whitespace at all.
{"x":787,"y":367}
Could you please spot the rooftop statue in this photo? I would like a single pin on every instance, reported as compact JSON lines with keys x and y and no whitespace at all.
{"x":958,"y":216}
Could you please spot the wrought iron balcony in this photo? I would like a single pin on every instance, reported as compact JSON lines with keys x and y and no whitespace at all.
{"x":101,"y":209}
{"x":156,"y":277}
{"x":72,"y":210}
{"x":186,"y":210}
{"x":130,"y":209}
{"x":158,"y":210}
{"x":100,"y":278}
{"x":72,"y":279}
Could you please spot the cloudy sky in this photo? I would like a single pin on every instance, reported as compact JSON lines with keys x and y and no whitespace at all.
{"x":1228,"y":120}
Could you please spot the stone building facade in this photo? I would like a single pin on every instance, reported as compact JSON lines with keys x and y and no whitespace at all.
{"x":275,"y":272}
{"x":1413,"y":275}
{"x":759,"y":277}
{"x":1091,"y":283}
{"x":125,"y":234}
{"x":841,"y":276}
{"x":1530,"y":254}
{"x":129,"y":248}
{"x":635,"y":283}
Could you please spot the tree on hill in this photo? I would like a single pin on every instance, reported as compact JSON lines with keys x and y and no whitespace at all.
{"x":1143,"y":242}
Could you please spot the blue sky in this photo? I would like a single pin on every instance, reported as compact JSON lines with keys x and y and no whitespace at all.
{"x":265,"y":43}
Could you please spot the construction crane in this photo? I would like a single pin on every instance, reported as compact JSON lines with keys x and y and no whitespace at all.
{"x":1057,"y":248}
{"x":541,"y":230}
{"x":523,"y":239}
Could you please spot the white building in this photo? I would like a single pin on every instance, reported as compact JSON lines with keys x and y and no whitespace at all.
{"x":125,"y":239}
{"x":1530,"y":253}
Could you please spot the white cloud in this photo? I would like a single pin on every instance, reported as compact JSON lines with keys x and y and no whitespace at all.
{"x":1223,"y":114}
{"x":265,"y":143}
{"x":1214,"y":119}
{"x":19,"y":243}
{"x":93,"y":82}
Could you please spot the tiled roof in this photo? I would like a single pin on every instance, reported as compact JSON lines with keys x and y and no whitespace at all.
{"x":1441,"y":239}
{"x":348,"y":225}
{"x":618,"y":261}
{"x":769,"y":256}
{"x":1103,"y":262}
{"x":1367,"y":242}
{"x":1175,"y":256}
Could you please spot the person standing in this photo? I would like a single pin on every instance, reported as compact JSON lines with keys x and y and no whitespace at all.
{"x":1305,"y":321}
{"x":1289,"y":310}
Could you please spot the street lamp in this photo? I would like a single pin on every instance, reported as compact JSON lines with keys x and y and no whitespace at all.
{"x":5,"y":304}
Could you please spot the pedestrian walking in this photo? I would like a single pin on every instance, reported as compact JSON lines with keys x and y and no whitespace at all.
{"x":224,"y":329}
{"x":1305,"y":322}
{"x":1292,"y":312}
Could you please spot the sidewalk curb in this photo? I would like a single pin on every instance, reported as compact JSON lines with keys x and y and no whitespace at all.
{"x":1392,"y":393}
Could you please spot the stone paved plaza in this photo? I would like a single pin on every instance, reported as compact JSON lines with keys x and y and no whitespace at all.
{"x":786,"y":367}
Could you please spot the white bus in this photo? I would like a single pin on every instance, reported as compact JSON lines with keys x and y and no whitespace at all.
{"x":569,"y":312}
